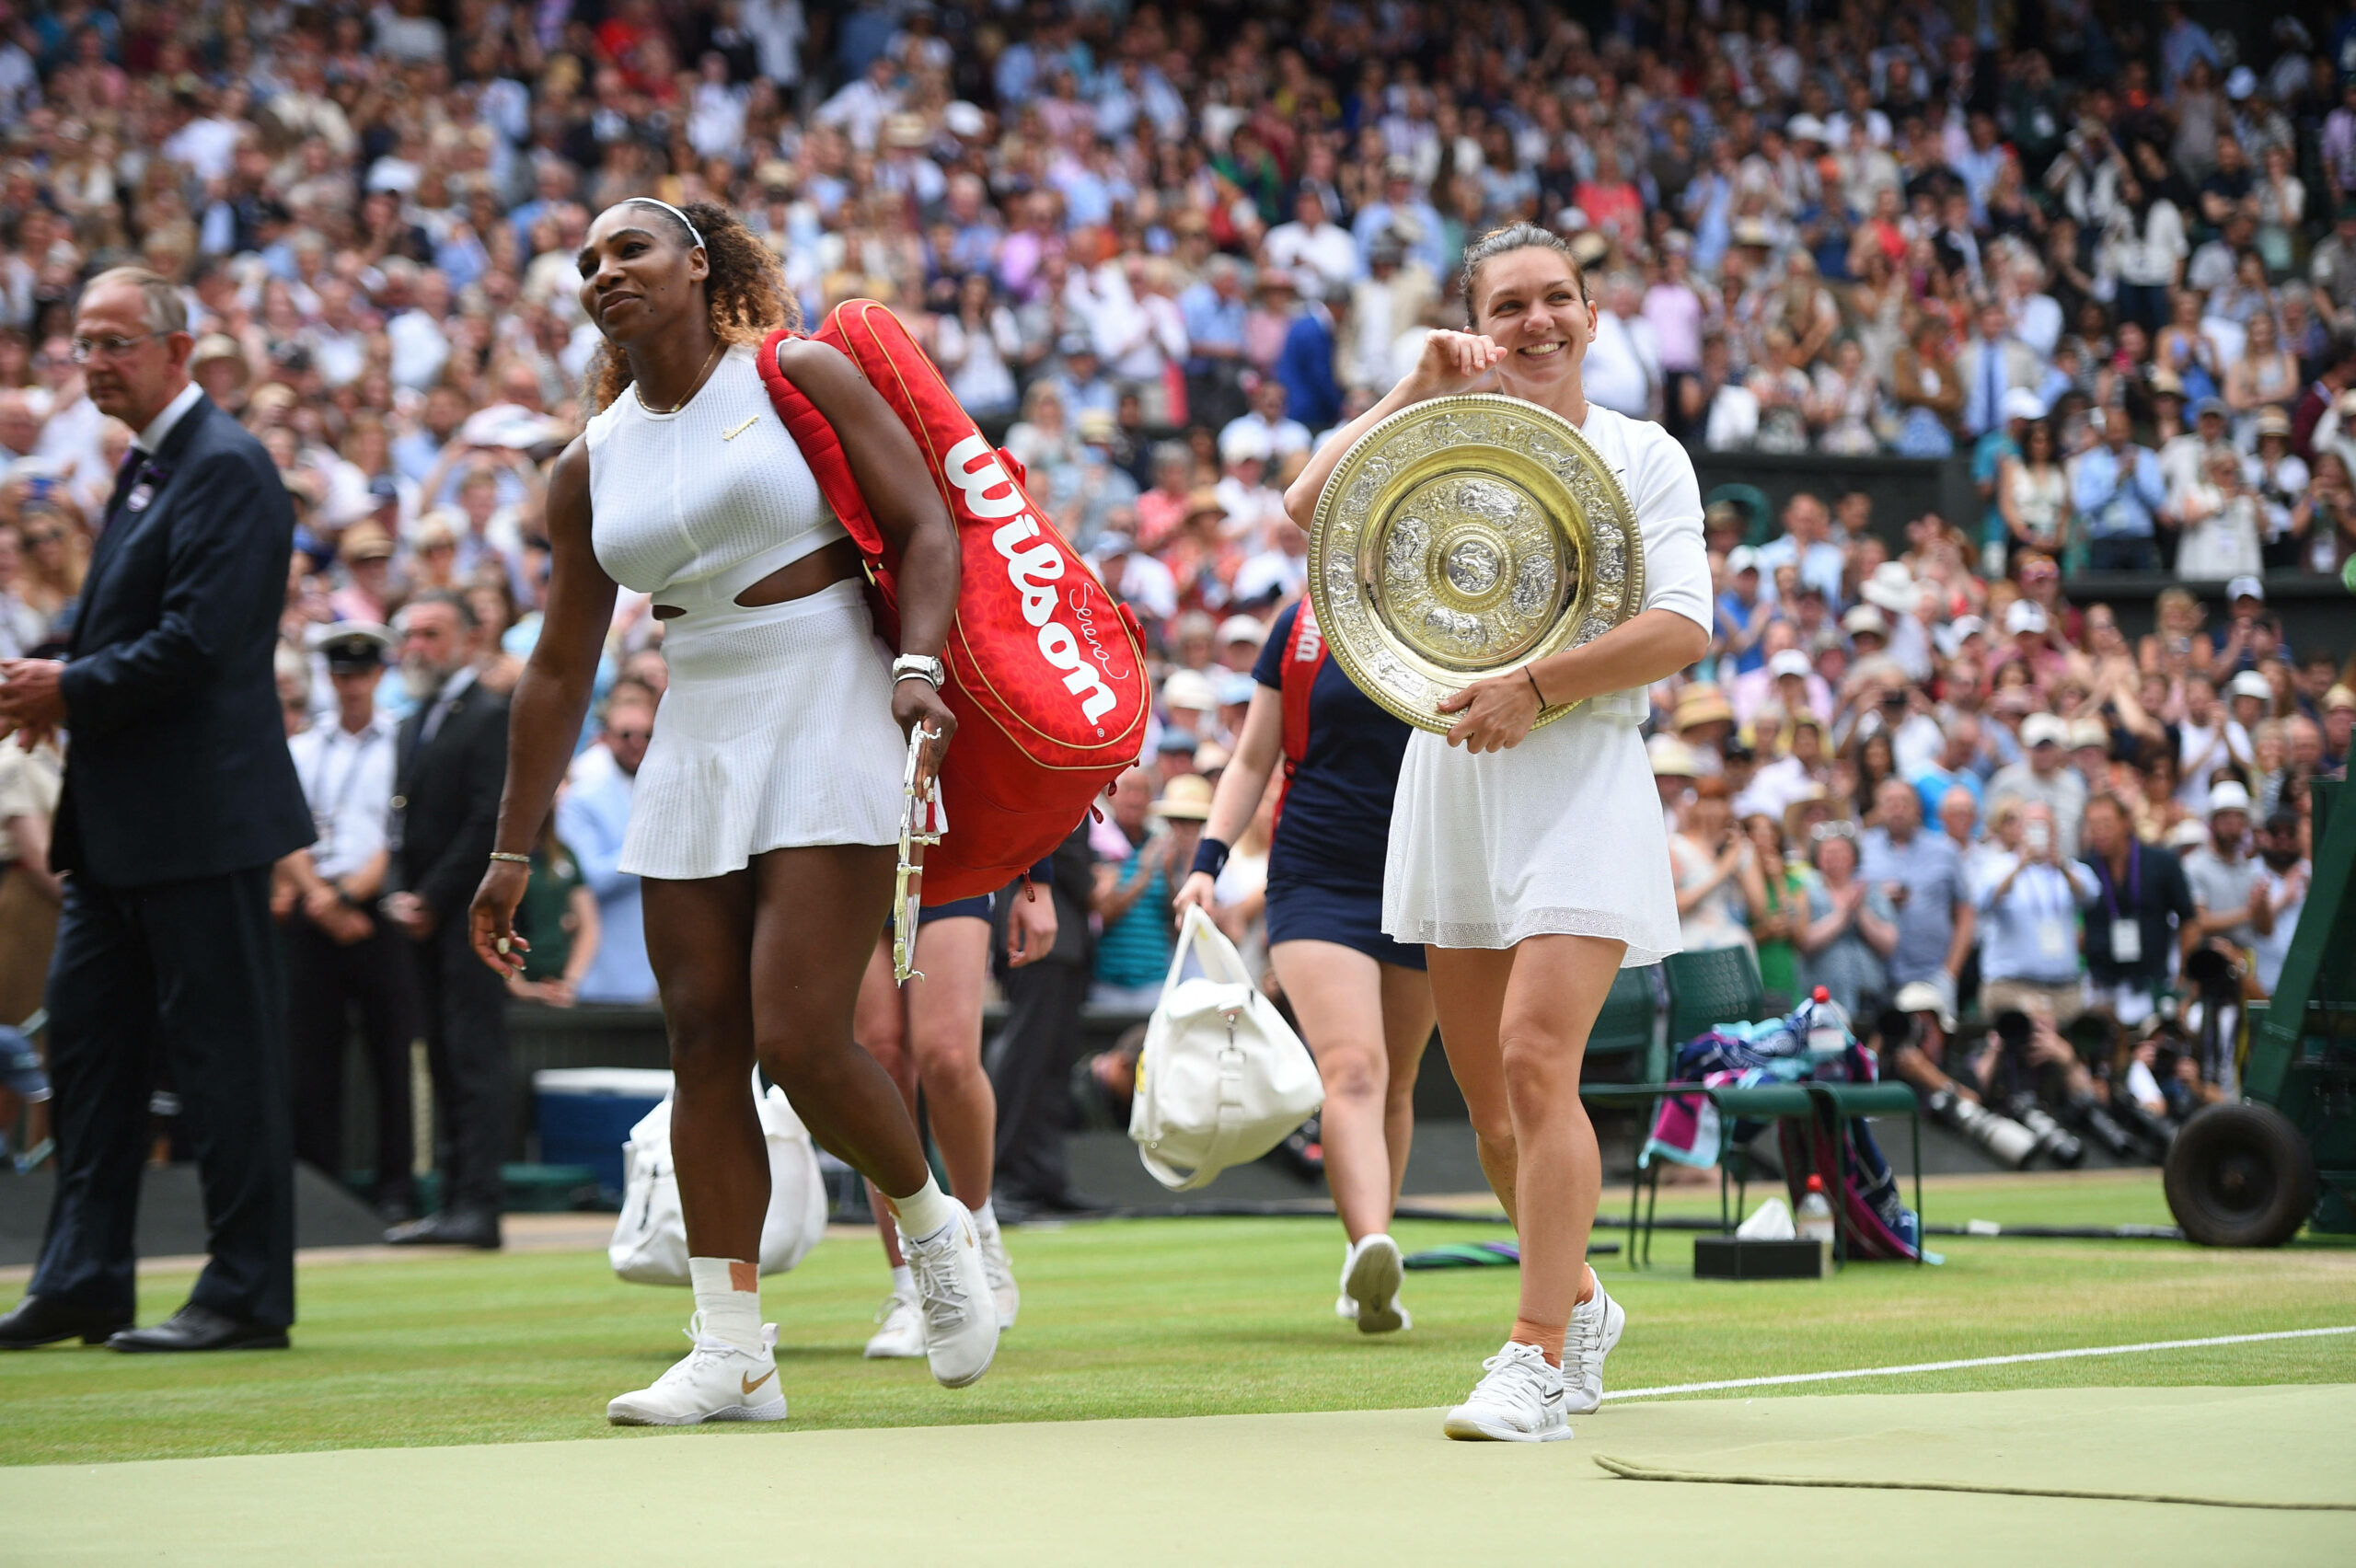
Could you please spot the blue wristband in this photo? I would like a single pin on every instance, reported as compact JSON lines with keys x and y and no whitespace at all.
{"x":1210,"y":855}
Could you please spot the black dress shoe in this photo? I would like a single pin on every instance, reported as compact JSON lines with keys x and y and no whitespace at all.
{"x":40,"y":1320}
{"x":451,"y":1228}
{"x":199,"y":1328}
{"x":395,"y":1211}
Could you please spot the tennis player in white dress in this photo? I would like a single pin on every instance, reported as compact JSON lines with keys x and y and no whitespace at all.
{"x":1533,"y":864}
{"x":765,"y":816}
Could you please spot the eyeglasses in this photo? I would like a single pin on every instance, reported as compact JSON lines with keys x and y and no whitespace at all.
{"x":84,"y":350}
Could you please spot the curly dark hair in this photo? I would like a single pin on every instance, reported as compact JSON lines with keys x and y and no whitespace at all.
{"x":1513,"y":236}
{"x":746,"y":294}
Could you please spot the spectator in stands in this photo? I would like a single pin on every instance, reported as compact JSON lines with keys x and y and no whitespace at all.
{"x":1852,"y":926}
{"x":1132,"y":902}
{"x":2230,"y":905}
{"x":2029,"y":904}
{"x":2042,"y":778}
{"x":2117,"y":489}
{"x":2140,"y":901}
{"x":1921,"y":876}
{"x":592,"y":818}
{"x":1719,"y":886}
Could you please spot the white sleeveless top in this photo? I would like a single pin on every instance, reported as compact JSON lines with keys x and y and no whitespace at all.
{"x":695,"y":507}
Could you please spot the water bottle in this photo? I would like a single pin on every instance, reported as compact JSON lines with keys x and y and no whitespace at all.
{"x":1828,"y":1038}
{"x":1813,"y":1222}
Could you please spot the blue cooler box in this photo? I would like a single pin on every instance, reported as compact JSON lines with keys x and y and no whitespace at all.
{"x":585,"y":1114}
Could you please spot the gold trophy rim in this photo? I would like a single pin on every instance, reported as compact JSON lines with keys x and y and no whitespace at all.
{"x":1563,"y":510}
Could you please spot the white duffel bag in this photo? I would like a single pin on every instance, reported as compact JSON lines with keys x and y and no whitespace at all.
{"x":650,"y":1245}
{"x":1222,"y":1079}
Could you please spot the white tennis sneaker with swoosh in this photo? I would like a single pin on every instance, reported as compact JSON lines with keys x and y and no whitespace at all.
{"x":1595,"y":1328}
{"x":954,"y":1294}
{"x":1004,"y":1292}
{"x":716,"y":1381}
{"x":1519,"y":1400}
{"x":901,"y":1338}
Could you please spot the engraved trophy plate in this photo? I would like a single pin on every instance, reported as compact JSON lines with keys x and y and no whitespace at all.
{"x":1465,"y":538}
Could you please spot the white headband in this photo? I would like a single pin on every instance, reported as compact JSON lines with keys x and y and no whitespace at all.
{"x":693,"y":232}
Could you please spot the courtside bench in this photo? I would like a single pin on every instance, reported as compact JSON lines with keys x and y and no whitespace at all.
{"x":1839,"y":1102}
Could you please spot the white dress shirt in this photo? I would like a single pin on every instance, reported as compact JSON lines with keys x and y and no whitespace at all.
{"x":348,"y":780}
{"x":151,"y":440}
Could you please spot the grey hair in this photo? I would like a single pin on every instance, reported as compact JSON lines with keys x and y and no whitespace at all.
{"x":1513,"y":236}
{"x":164,"y":309}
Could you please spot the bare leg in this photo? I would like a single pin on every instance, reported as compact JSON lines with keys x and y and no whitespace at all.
{"x":1558,"y":987}
{"x":1469,"y":994}
{"x":880,"y":1023}
{"x":930,"y":1032}
{"x":1406,"y":1030}
{"x":944,"y":1034}
{"x":1336,"y":994}
{"x":819,"y":911}
{"x":698,"y":938}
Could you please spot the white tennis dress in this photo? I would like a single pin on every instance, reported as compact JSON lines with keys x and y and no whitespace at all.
{"x":1562,"y":835}
{"x":776,"y":730}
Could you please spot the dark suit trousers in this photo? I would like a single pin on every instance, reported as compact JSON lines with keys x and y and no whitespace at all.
{"x":325,"y":981}
{"x":184,"y":976}
{"x":465,"y":1011}
{"x":1030,"y":1067}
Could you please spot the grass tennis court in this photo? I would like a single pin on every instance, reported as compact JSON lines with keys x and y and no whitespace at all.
{"x":1172,"y":1318}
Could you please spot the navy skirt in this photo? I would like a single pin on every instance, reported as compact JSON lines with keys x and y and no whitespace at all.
{"x":1304,"y":911}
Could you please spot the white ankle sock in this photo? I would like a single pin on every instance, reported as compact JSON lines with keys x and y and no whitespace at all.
{"x":922,"y":1213}
{"x":986,"y":1216}
{"x":728,"y":1294}
{"x":903,"y":1281}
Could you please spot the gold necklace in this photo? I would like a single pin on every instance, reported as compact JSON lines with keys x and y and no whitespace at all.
{"x":693,"y":387}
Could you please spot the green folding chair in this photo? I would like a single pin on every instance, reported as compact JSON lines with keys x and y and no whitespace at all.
{"x":1629,"y":1024}
{"x":1721,"y":986}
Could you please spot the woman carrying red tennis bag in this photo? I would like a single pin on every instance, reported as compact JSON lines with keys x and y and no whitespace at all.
{"x":1044,"y":669}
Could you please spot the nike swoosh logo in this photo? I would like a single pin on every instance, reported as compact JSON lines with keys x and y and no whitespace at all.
{"x":733,"y":435}
{"x":751,"y":1383}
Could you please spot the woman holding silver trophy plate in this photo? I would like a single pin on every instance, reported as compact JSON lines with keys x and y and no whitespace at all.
{"x":1508,"y":575}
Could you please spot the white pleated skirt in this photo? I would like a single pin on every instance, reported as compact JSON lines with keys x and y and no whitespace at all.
{"x":1560,"y":836}
{"x":775,"y":733}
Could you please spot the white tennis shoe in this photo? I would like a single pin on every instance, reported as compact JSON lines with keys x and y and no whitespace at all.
{"x":1004,"y":1292}
{"x":1519,"y":1400}
{"x":717,"y":1381}
{"x":902,"y":1336}
{"x":1595,"y":1328}
{"x":954,"y":1294}
{"x":1371,"y":1270}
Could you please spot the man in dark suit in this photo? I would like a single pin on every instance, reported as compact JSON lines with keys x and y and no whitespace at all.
{"x":1030,"y":1062}
{"x":179,"y":796}
{"x":450,"y":762}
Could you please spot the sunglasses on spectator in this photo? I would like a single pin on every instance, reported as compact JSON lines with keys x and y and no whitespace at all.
{"x":44,"y":536}
{"x":1835,"y":829}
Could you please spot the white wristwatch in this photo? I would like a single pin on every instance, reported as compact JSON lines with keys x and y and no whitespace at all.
{"x":918,"y":666}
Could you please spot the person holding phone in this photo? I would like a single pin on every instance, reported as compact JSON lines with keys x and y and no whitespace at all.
{"x":2028,"y":926}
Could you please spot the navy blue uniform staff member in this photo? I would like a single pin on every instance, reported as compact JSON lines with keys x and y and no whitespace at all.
{"x":178,"y":800}
{"x":1363,"y":1000}
{"x":342,"y":953}
{"x":764,"y":819}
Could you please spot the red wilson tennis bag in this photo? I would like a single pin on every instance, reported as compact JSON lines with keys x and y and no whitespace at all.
{"x":1046,"y":672}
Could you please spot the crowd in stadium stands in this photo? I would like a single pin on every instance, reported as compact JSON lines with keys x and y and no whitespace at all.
{"x":2104,"y":254}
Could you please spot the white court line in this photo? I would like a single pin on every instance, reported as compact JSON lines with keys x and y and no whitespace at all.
{"x":1975,"y":1361}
